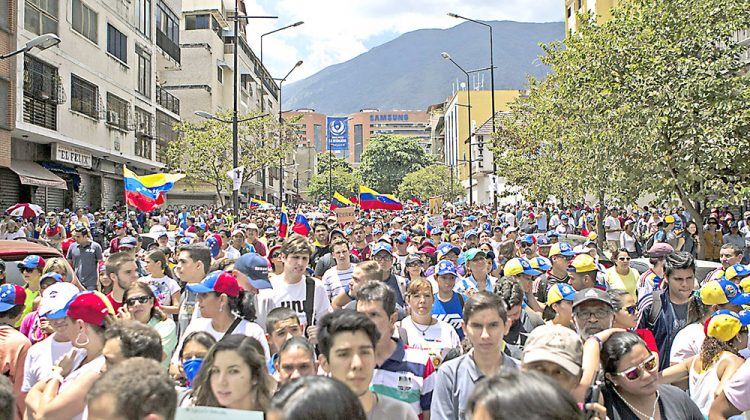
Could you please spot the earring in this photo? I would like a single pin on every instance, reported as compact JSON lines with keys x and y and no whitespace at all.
{"x":77,"y":340}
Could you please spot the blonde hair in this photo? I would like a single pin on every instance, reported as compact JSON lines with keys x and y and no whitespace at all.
{"x":56,"y":265}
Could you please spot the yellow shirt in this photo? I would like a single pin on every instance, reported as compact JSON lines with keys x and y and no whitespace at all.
{"x":28,"y":305}
{"x":627,"y":282}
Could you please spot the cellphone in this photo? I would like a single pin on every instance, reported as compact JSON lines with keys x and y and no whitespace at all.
{"x":593,"y":397}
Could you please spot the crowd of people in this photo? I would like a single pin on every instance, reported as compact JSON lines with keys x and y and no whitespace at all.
{"x":398,"y":314}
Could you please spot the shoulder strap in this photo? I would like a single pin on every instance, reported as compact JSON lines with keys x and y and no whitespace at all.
{"x":655,"y":306}
{"x":231,"y":328}
{"x":307,"y":307}
{"x":460,"y":301}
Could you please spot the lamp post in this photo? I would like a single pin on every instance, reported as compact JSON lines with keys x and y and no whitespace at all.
{"x":235,"y":83}
{"x":281,"y":130}
{"x":468,"y":94}
{"x":41,"y":42}
{"x":492,"y":86}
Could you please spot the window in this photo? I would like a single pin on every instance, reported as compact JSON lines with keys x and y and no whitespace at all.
{"x":144,"y":72}
{"x":168,"y":31}
{"x":143,"y":17}
{"x":219,"y":74}
{"x":165,"y":134}
{"x":117,"y":44}
{"x":117,"y":111}
{"x":4,"y":104}
{"x":84,"y":97}
{"x":84,"y":20}
{"x":318,"y":138}
{"x":41,"y":93}
{"x":197,"y":22}
{"x":144,"y":133}
{"x":4,"y":15}
{"x":357,"y":142}
{"x":41,"y":16}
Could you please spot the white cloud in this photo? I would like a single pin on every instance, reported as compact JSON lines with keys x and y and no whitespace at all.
{"x":338,"y":30}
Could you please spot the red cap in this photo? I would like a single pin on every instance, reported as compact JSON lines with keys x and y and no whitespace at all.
{"x":90,"y":307}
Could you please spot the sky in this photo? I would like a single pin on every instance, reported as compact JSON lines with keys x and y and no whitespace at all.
{"x":338,"y":30}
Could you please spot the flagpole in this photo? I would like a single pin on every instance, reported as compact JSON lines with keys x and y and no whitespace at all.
{"x":125,"y":193}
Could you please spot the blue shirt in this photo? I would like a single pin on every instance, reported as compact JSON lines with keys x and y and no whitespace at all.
{"x":466,"y":284}
{"x":451,"y":312}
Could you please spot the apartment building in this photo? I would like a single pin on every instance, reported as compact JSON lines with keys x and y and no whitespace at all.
{"x":81,"y":110}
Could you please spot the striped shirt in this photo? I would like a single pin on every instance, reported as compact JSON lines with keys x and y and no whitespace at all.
{"x":408,"y":376}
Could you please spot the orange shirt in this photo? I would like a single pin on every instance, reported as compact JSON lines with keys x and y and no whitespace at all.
{"x":13,"y":348}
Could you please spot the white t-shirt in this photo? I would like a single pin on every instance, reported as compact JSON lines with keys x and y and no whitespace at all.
{"x":245,"y":327}
{"x":612,"y":223}
{"x":438,"y":339}
{"x":231,"y":253}
{"x":93,"y":366}
{"x":687,"y":343}
{"x":163,"y":288}
{"x":293,"y":296}
{"x":335,"y":280}
{"x":40,"y":359}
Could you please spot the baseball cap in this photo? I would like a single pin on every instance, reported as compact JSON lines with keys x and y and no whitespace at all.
{"x":722,"y":291}
{"x":163,"y":234}
{"x":90,"y":307}
{"x":436,"y":231}
{"x":214,"y":245}
{"x":251,"y":226}
{"x":469,"y":233}
{"x":55,"y":300}
{"x":555,"y":344}
{"x":219,"y":282}
{"x":543,"y":240}
{"x":398,"y":219}
{"x":381,"y":246}
{"x":724,"y":324}
{"x":660,"y":250}
{"x":446,"y":267}
{"x":119,"y":225}
{"x":510,"y":230}
{"x":412,"y":258}
{"x":51,"y":275}
{"x":737,"y":270}
{"x":32,"y":261}
{"x":128,"y":242}
{"x":529,"y":239}
{"x":402,"y":238}
{"x":255,"y":268}
{"x":541,"y":263}
{"x":552,"y":234}
{"x":336,"y":231}
{"x":591,"y":294}
{"x":517,"y":266}
{"x":377,"y":231}
{"x":561,"y":248}
{"x":238,"y":232}
{"x":560,"y":291}
{"x":200,"y":225}
{"x":582,"y":263}
{"x":473,"y":253}
{"x":669,"y":219}
{"x":11,"y":295}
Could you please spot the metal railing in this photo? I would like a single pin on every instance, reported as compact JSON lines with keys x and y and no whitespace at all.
{"x":167,"y":100}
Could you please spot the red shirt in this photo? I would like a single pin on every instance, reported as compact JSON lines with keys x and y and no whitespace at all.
{"x":648,"y":337}
{"x":115,"y":304}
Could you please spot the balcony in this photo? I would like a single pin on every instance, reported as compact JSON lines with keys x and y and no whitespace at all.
{"x":167,"y":45}
{"x":167,"y":100}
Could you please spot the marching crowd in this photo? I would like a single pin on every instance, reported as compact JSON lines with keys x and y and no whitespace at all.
{"x":470,"y":313}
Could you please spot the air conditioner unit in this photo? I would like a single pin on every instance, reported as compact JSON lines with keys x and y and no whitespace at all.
{"x":113,"y":117}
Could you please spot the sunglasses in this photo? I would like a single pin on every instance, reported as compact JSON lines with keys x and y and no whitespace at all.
{"x":624,"y":259}
{"x":25,"y":269}
{"x":414,"y":264}
{"x":138,"y":299}
{"x":526,"y":244}
{"x":631,"y":309}
{"x":275,"y":254}
{"x":636,"y":372}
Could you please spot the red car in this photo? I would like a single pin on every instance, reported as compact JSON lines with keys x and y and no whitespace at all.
{"x":11,"y":252}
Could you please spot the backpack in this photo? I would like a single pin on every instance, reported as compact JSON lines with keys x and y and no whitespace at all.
{"x":309,"y":299}
{"x":656,"y":306}
{"x":651,"y":240}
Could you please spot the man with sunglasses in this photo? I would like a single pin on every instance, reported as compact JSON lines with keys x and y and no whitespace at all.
{"x":527,"y":247}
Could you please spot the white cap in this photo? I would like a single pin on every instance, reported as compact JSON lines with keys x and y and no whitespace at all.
{"x":55,"y":300}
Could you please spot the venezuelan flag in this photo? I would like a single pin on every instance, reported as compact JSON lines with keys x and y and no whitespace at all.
{"x":389,"y":202}
{"x":283,"y":223}
{"x":301,"y":225}
{"x":255,"y":203}
{"x":414,"y":199}
{"x":146,"y":192}
{"x":339,"y":201}
{"x":368,"y":198}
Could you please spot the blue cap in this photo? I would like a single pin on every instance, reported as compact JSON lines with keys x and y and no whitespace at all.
{"x":51,"y":275}
{"x":553,"y":234}
{"x":471,"y":218}
{"x":382,"y":246}
{"x":473,"y":253}
{"x":11,"y":295}
{"x":446,"y":267}
{"x":219,"y":282}
{"x":377,"y":231}
{"x":200,"y":225}
{"x":31,"y":262}
{"x":542,"y":240}
{"x":469,"y":233}
{"x":402,"y":238}
{"x":445,"y":248}
{"x":128,"y":242}
{"x":255,"y":268}
{"x":213,"y":245}
{"x":436,"y":231}
{"x":119,"y":225}
{"x":528,"y":239}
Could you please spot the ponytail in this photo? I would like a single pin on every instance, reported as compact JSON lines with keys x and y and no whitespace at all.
{"x":243,"y":305}
{"x":549,"y":314}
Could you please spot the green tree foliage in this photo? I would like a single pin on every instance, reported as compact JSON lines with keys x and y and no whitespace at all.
{"x":388,"y":159}
{"x":430,"y":181}
{"x":327,"y":158}
{"x":203,"y":151}
{"x":342,"y":180}
{"x":653,"y":101}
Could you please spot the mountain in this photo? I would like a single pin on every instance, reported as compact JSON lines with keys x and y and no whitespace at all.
{"x":408,"y":73}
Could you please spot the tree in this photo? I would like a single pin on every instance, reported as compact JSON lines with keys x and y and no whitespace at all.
{"x":388,"y":158}
{"x":653,"y":101}
{"x":326,"y":158}
{"x":342,"y":181}
{"x":430,"y":181}
{"x":203,"y":151}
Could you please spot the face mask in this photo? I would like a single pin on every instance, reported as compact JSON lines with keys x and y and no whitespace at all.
{"x":191,"y":368}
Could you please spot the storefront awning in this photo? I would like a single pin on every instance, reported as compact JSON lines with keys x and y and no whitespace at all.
{"x":31,"y":173}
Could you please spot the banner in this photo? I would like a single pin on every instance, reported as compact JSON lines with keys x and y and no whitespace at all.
{"x":345,"y":215}
{"x":436,"y":205}
{"x":236,"y":175}
{"x":337,"y":133}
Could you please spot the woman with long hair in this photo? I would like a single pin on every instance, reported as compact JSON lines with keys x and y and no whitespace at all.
{"x":225,"y":309}
{"x":559,"y":309}
{"x":414,"y":268}
{"x":161,"y":280}
{"x":234,"y":375}
{"x":139,"y":303}
{"x":63,"y":394}
{"x":707,"y":372}
{"x":622,"y":275}
{"x":626,"y":317}
{"x":629,"y":240}
{"x":104,"y":283}
{"x":631,"y":389}
{"x":689,"y":241}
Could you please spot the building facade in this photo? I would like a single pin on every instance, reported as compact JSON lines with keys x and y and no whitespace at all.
{"x":83,"y":109}
{"x":602,"y":9}
{"x":369,"y":123}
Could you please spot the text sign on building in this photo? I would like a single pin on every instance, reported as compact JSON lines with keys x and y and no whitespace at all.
{"x":389,"y":117}
{"x":72,"y":155}
{"x":338,"y":133}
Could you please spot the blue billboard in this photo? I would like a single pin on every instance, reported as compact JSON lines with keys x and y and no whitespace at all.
{"x":337,"y":133}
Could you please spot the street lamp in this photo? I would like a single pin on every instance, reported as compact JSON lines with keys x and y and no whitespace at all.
{"x":281,"y":159}
{"x":235,"y":83}
{"x":492,"y":87}
{"x":42,"y":42}
{"x":468,"y":94}
{"x":263,"y":89}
